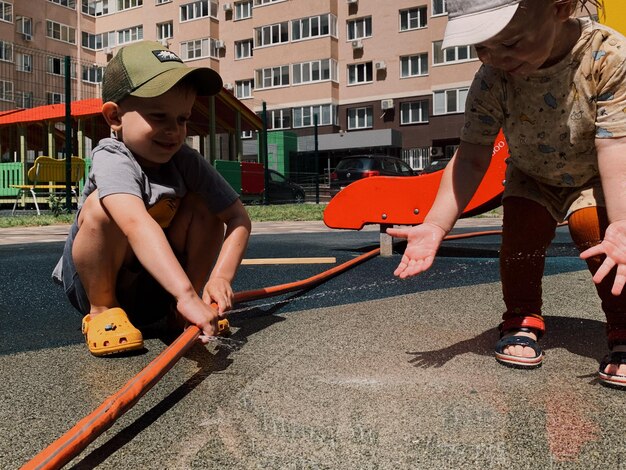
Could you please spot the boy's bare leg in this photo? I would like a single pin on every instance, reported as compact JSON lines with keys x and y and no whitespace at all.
{"x":198,"y":234}
{"x":100,"y":249}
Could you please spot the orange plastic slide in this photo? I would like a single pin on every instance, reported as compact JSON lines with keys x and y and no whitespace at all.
{"x":396,"y":200}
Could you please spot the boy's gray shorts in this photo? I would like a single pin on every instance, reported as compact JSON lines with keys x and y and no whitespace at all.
{"x":138,"y":293}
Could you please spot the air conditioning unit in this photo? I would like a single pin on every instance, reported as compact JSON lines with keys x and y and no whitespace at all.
{"x":386,"y":104}
{"x":228,"y":7}
{"x":164,"y":42}
{"x":380,"y":65}
{"x":352,"y":1}
{"x":220,"y":44}
{"x":436,"y":151}
{"x":108,"y":50}
{"x":27,"y":37}
{"x":357,"y":44}
{"x":229,"y":86}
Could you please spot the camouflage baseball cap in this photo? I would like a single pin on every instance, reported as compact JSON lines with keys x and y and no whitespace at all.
{"x":147,"y":69}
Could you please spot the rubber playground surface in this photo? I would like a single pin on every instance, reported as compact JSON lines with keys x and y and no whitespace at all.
{"x":363,"y":371}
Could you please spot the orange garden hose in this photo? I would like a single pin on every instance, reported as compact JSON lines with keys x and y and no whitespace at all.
{"x":64,"y":449}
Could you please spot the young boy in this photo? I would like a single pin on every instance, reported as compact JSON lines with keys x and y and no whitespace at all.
{"x":160,"y":232}
{"x":556,"y":85}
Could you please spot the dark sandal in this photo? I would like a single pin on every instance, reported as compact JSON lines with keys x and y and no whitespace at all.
{"x":613,"y":380}
{"x":519,"y":361}
{"x":527,"y":323}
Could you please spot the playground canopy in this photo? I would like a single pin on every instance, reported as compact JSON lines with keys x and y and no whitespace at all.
{"x":39,"y":129}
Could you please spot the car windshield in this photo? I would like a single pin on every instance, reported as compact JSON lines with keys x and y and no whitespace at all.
{"x":350,"y":164}
{"x":277,"y":177}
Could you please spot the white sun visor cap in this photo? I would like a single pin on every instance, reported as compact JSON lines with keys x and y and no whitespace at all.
{"x":475,"y":21}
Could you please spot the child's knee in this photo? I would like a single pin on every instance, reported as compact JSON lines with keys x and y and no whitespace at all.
{"x":93,"y":213}
{"x":195,"y":209}
{"x":193,"y":221}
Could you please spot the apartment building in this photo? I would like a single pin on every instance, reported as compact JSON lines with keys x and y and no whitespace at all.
{"x":371,"y":73}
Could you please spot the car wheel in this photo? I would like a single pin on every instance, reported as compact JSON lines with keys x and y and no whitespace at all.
{"x":298,"y":197}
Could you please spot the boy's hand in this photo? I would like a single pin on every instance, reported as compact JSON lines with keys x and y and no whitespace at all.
{"x":203,"y":315}
{"x":220,"y":291}
{"x":614,"y":247}
{"x":422,"y":244}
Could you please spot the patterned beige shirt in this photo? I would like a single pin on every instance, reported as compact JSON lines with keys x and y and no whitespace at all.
{"x":552,"y":118}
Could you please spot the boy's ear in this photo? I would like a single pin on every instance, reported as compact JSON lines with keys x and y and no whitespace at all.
{"x":112,"y":115}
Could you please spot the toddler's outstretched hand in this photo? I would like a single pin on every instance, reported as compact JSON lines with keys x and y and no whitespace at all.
{"x":422,"y":244}
{"x":614,"y":247}
{"x":220,"y":291}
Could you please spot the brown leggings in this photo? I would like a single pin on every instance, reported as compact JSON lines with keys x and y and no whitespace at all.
{"x":528,"y":229}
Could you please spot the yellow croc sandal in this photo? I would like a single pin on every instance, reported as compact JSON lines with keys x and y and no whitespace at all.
{"x":111,"y":332}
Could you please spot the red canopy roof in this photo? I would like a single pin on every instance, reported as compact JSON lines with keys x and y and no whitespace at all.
{"x":52,"y":112}
{"x":226,"y":104}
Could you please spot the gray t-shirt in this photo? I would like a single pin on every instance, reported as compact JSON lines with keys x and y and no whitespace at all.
{"x":115,"y":170}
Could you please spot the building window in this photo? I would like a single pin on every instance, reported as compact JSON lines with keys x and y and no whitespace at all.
{"x":130,"y":35}
{"x":53,"y":97}
{"x":414,"y":18}
{"x":314,"y":26}
{"x":414,"y":112}
{"x":199,"y":9}
{"x":243,"y":89}
{"x":56,"y":66}
{"x":165,"y":30}
{"x":24,"y":26}
{"x":60,"y":32}
{"x":246,"y":134}
{"x":280,"y":119}
{"x":258,"y":3}
{"x":315,"y":71}
{"x":23,"y":99}
{"x":128,"y":4}
{"x":6,"y":11}
{"x":6,"y":51}
{"x":243,"y":49}
{"x":360,"y":118}
{"x":359,"y":73}
{"x":6,"y":91}
{"x":243,"y":10}
{"x":414,"y":65}
{"x":161,"y":2}
{"x":92,"y":74}
{"x":98,"y":42}
{"x":303,"y":116}
{"x":95,"y":7}
{"x":24,"y":63}
{"x":360,"y":28}
{"x":449,"y":101}
{"x":198,"y":49}
{"x":452,"y":54}
{"x":272,"y":34}
{"x":439,"y":7}
{"x":272,"y":77}
{"x":65,"y":3}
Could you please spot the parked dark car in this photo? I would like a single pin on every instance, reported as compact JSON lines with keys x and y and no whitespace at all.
{"x":354,"y":168}
{"x":436,"y":165}
{"x":281,"y":189}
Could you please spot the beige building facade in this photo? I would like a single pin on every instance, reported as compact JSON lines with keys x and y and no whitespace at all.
{"x":371,"y":73}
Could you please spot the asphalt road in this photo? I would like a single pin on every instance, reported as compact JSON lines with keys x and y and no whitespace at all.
{"x":363,"y":371}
